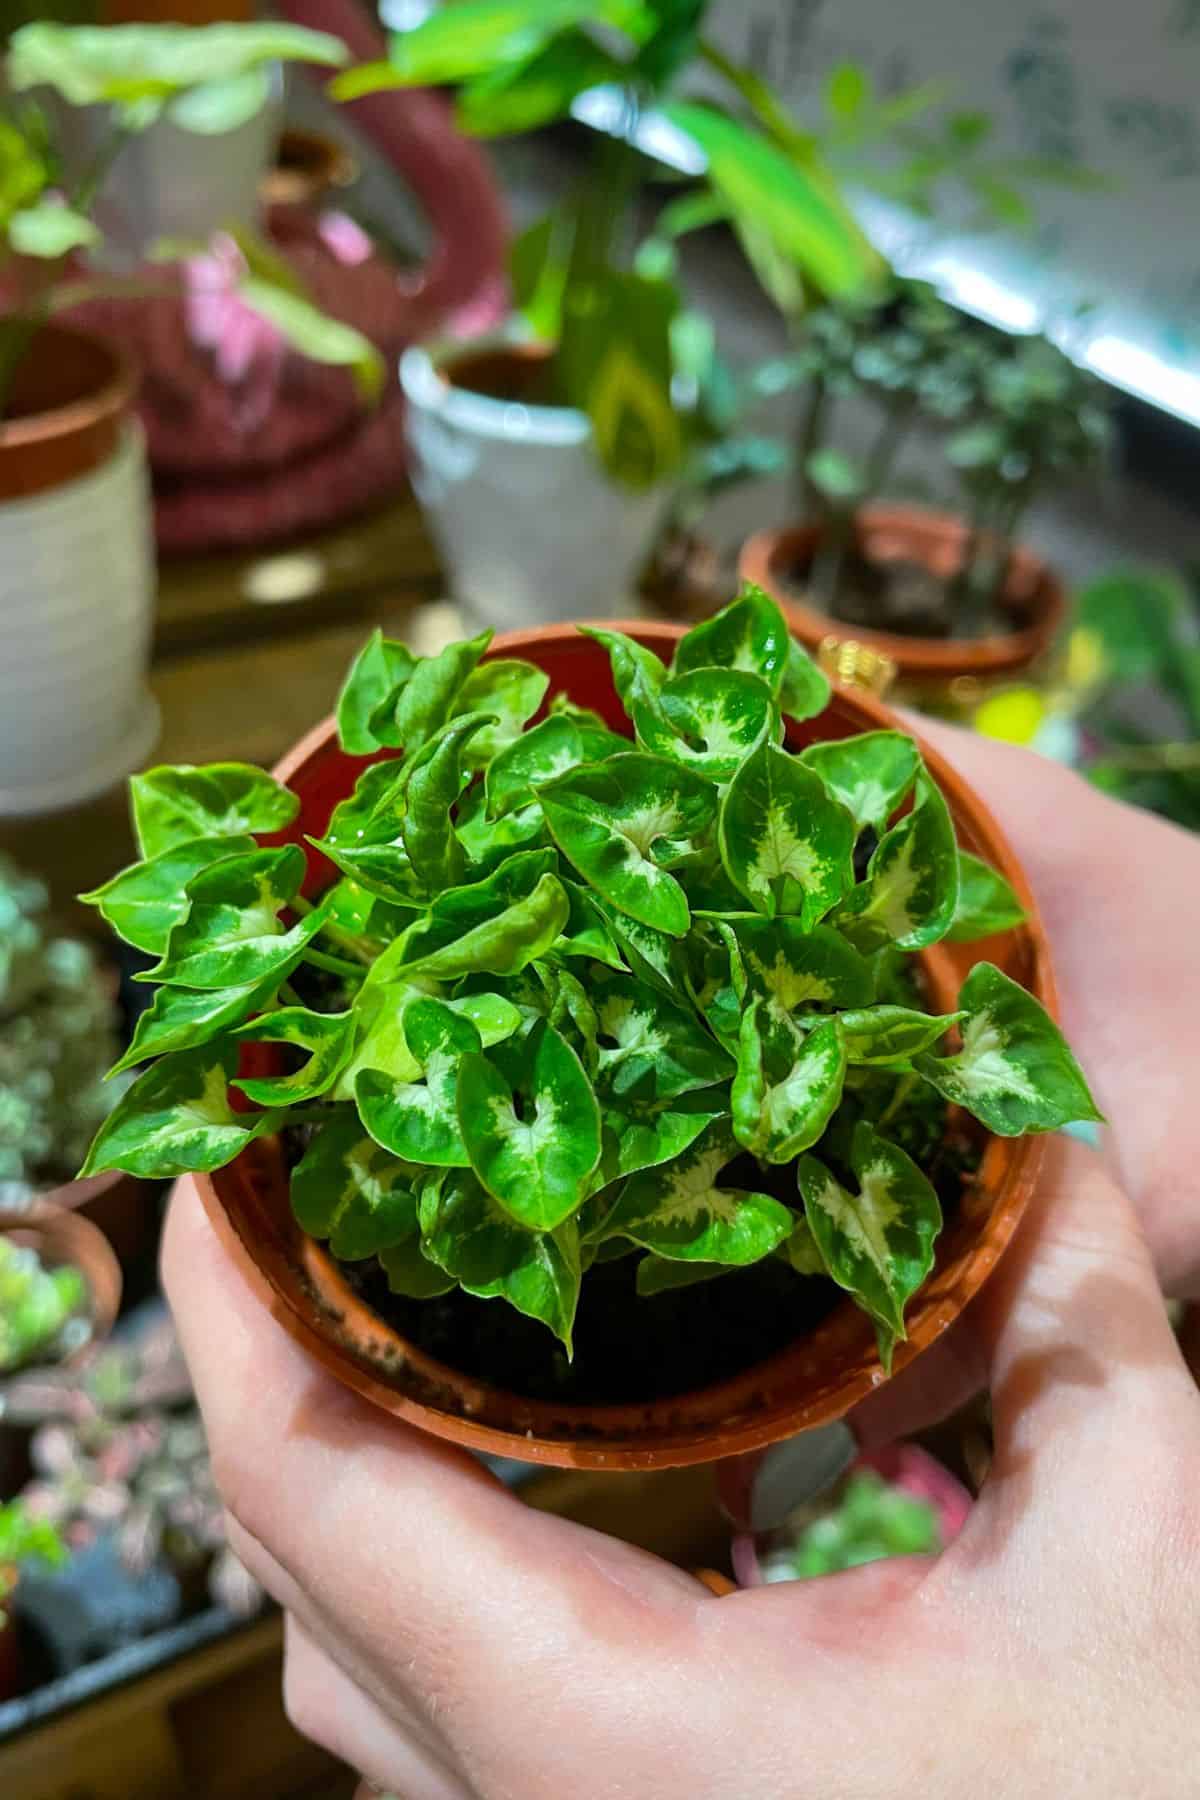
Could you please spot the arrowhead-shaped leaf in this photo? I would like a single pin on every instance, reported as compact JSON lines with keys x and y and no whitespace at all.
{"x":623,"y":822}
{"x":176,"y":1119}
{"x":749,"y":634}
{"x":531,"y":1125}
{"x":185,"y":1018}
{"x":651,"y":1049}
{"x":549,"y":749}
{"x":640,"y":1136}
{"x":793,"y":969}
{"x":785,"y":843}
{"x":788,"y":1083}
{"x":637,"y":673}
{"x":430,"y":695}
{"x":497,"y":926}
{"x":173,"y":805}
{"x":435,"y":781}
{"x":418,"y":1120}
{"x":877,"y":1244}
{"x":891,"y":1034}
{"x":346,"y":1189}
{"x":911,"y":892}
{"x":232,"y":933}
{"x":870,"y":775}
{"x":142,"y":903}
{"x":1015,"y":1070}
{"x":986,"y":902}
{"x":379,"y":671}
{"x":709,"y":720}
{"x":326,"y":1036}
{"x":679,"y":1210}
{"x":511,"y":692}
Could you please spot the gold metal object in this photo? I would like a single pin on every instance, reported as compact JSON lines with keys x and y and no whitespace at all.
{"x":856,"y":665}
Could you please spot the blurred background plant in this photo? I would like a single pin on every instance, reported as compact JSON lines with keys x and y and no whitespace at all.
{"x":37,"y":1307}
{"x":25,"y":1538}
{"x":871,"y":1520}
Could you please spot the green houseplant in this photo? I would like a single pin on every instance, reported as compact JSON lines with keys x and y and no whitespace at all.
{"x":612,"y":372}
{"x":24,"y":1539}
{"x":37,"y":1306}
{"x":572,"y":1016}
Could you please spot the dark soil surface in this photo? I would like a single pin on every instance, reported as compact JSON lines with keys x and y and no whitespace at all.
{"x":905,"y":598}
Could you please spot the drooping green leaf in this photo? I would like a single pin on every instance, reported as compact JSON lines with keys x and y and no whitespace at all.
{"x":891,"y":1034}
{"x":377,"y":674}
{"x":911,"y":892}
{"x":639,"y":1136}
{"x":487,"y":1253}
{"x":986,"y":902}
{"x":877,"y":1244}
{"x":806,"y":690}
{"x":145,"y":901}
{"x":347,"y":1189}
{"x":531,"y":1125}
{"x":490,"y":842}
{"x":316,"y":334}
{"x":679,"y":1209}
{"x":710,"y":720}
{"x":173,"y":805}
{"x":786,"y":844}
{"x":410,"y":1272}
{"x":870,"y":775}
{"x":615,"y":362}
{"x":326,"y":1036}
{"x":232,"y":933}
{"x":448,"y":942}
{"x":538,"y":755}
{"x":418,"y":1120}
{"x":50,"y":230}
{"x":587,"y":931}
{"x":658,"y":1275}
{"x":623,"y":822}
{"x":793,"y":969}
{"x":435,"y":781}
{"x":1015,"y":1070}
{"x":650,"y":1048}
{"x":637,"y":673}
{"x":183,"y":1019}
{"x":431,"y":694}
{"x":538,"y":92}
{"x":788,"y":1083}
{"x":176,"y":1119}
{"x":510,"y":691}
{"x":749,"y":634}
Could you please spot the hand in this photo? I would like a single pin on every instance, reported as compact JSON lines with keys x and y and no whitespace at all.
{"x":453,"y":1645}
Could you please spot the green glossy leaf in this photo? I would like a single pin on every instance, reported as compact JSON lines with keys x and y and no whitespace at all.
{"x":679,"y":1210}
{"x":446,"y":945}
{"x":418,"y":1120}
{"x":346,"y":1189}
{"x":473,"y":38}
{"x":538,"y":755}
{"x":650,"y":954}
{"x":805,"y":691}
{"x":315,"y":334}
{"x":121,"y":64}
{"x":435,"y":781}
{"x":615,"y":362}
{"x":801,"y":1250}
{"x":536,"y":92}
{"x":477,"y":1243}
{"x":377,"y":674}
{"x":143,"y":903}
{"x":1015,"y":1070}
{"x":379,"y":1042}
{"x":890,"y":1034}
{"x":490,"y":842}
{"x":371,"y":815}
{"x":173,"y":805}
{"x":986,"y":902}
{"x":638,"y":673}
{"x":232,"y":933}
{"x":175,"y":1119}
{"x":622,"y":822}
{"x":531,"y":1126}
{"x":910,"y":895}
{"x":50,"y":230}
{"x":785,"y":843}
{"x":510,"y":691}
{"x":710,"y":720}
{"x":788,"y":1084}
{"x":183,"y":1019}
{"x":493,"y":1017}
{"x":639,"y":1136}
{"x":383,"y":870}
{"x":587,"y":931}
{"x":410,"y":1272}
{"x":877,"y":1244}
{"x":793,"y":969}
{"x":650,"y":1049}
{"x":870,"y":775}
{"x":749,"y":634}
{"x":431,"y":694}
{"x":658,"y":1275}
{"x":326,"y":1036}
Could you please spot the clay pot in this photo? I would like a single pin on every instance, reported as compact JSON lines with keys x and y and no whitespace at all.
{"x":307,"y":165}
{"x":921,"y":668}
{"x":62,"y":1237}
{"x":813,"y":1381}
{"x":118,"y":1205}
{"x":65,"y":412}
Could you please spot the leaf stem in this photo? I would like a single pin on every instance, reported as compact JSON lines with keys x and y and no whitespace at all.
{"x":904,"y":1088}
{"x":333,"y":965}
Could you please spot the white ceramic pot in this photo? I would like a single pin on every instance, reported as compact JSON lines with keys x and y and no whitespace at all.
{"x":76,"y":612}
{"x":529,"y":528}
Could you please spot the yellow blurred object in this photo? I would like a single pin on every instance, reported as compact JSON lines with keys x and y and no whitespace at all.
{"x":1014,"y":716}
{"x":856,"y":665}
{"x":1087,"y":664}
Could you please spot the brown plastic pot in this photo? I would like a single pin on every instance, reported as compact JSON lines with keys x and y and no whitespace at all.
{"x":69,"y":398}
{"x":63,"y":1237}
{"x":920,"y":667}
{"x":814,"y":1380}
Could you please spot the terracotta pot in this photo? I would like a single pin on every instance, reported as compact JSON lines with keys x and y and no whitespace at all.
{"x":69,"y":399}
{"x":62,"y":1237}
{"x":814,"y":1380}
{"x":306,"y":166}
{"x":118,"y":1205}
{"x":921,"y":668}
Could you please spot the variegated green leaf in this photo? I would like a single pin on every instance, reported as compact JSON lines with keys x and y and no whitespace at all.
{"x":651,"y":1049}
{"x":637,"y":673}
{"x":793,"y":969}
{"x":709,"y":720}
{"x":232,"y":933}
{"x":508,"y":689}
{"x":801,"y":1250}
{"x":877,"y":1244}
{"x":378,"y":1040}
{"x":651,"y":955}
{"x":538,"y":755}
{"x":500,"y":945}
{"x":788,"y":1083}
{"x":435,"y":781}
{"x":477,"y":1243}
{"x":1015,"y":1070}
{"x":890,"y":1034}
{"x":173,"y":805}
{"x":785,"y":843}
{"x":185,"y":1018}
{"x":679,"y":1210}
{"x":637,"y":1135}
{"x":658,"y":1275}
{"x":571,"y":1011}
{"x":345,"y":1188}
{"x":410,"y":1272}
{"x":384,"y":870}
{"x":531,"y":1125}
{"x":326,"y":1036}
{"x":490,"y":842}
{"x":176,"y":1119}
{"x":455,"y":915}
{"x":623,"y":822}
{"x":377,"y":674}
{"x":986,"y":902}
{"x":911,"y":892}
{"x":587,"y":932}
{"x":430,"y":695}
{"x":418,"y":1120}
{"x":749,"y":634}
{"x":806,"y":690}
{"x":142,"y":903}
{"x":871,"y":775}
{"x":372,"y":813}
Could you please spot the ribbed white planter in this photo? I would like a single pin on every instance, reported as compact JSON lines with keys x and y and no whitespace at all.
{"x":529,"y":528}
{"x":76,"y":611}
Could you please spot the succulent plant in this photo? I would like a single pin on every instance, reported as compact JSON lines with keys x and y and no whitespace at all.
{"x":25,"y":1538}
{"x":37,"y":1307}
{"x":872,"y":1520}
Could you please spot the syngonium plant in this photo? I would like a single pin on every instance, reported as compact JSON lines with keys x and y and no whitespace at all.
{"x":582,"y":997}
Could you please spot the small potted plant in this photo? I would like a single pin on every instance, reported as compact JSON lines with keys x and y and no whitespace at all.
{"x":607,"y":1022}
{"x":24,"y":1540}
{"x":546,"y":457}
{"x":936,"y":597}
{"x":60,"y":1287}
